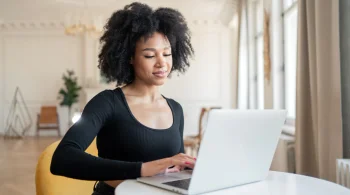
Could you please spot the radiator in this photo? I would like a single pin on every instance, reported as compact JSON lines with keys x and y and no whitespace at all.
{"x":284,"y":157}
{"x":343,"y":172}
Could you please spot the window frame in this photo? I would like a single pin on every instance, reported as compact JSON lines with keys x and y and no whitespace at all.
{"x":259,"y":34}
{"x":284,"y":11}
{"x":254,"y":35}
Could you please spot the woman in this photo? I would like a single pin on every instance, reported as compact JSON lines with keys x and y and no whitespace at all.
{"x":139,"y":131}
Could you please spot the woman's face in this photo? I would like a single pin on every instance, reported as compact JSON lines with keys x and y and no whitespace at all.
{"x":152,"y":61}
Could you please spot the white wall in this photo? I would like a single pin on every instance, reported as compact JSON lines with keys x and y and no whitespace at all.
{"x":34,"y":54}
{"x":35,"y":63}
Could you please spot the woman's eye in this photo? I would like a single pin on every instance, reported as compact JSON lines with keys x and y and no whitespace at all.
{"x":166,"y":55}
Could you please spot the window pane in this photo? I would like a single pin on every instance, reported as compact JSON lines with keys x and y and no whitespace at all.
{"x":259,"y":16}
{"x":260,"y":71}
{"x":290,"y":60}
{"x":243,"y":65}
{"x":287,"y":3}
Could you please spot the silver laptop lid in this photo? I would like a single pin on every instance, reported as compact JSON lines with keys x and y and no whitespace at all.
{"x":237,"y":148}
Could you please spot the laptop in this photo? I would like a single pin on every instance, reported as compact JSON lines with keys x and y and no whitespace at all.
{"x":237,"y":148}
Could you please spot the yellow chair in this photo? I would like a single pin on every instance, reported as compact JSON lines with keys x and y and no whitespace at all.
{"x":49,"y":184}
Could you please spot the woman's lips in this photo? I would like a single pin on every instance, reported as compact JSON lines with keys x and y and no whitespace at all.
{"x":160,"y":74}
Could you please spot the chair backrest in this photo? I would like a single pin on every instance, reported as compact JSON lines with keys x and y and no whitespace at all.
{"x":203,"y":117}
{"x":49,"y":184}
{"x":48,"y":115}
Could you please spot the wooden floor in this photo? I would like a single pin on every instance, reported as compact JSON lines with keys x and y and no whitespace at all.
{"x":18,"y":159}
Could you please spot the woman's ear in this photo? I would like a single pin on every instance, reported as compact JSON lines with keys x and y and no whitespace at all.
{"x":132,"y":61}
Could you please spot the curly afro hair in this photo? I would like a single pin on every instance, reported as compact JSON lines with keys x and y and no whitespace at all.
{"x":126,"y":26}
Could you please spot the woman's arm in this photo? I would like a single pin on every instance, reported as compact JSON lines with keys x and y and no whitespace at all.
{"x":70,"y":158}
{"x":182,"y":150}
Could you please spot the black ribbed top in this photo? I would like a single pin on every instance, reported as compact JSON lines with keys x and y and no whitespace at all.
{"x":123,"y":143}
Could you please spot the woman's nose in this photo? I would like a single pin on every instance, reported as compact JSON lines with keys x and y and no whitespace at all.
{"x":161,"y":61}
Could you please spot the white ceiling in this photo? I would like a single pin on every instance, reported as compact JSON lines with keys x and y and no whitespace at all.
{"x":55,"y":9}
{"x":111,"y":2}
{"x":99,"y":3}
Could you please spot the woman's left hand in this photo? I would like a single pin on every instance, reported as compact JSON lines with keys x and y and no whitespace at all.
{"x":175,"y":169}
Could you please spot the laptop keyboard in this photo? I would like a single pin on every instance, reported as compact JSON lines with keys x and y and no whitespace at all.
{"x":183,"y":184}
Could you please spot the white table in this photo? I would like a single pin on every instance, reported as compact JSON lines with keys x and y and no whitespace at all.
{"x":276,"y":183}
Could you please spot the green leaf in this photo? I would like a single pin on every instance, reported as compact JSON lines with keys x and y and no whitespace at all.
{"x":70,"y":93}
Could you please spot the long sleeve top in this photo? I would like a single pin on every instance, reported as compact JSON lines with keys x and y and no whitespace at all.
{"x":123,"y":143}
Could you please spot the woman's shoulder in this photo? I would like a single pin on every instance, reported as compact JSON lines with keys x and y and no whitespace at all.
{"x":106,"y":96}
{"x":175,"y":104}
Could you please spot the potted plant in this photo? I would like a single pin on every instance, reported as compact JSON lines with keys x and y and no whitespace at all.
{"x":69,"y":94}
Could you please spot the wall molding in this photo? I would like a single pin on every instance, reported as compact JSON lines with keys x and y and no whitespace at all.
{"x":40,"y":25}
{"x":24,"y":25}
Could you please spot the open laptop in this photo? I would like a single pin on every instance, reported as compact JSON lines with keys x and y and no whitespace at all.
{"x":237,"y":148}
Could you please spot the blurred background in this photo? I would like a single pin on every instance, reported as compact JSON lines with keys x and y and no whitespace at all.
{"x":249,"y":54}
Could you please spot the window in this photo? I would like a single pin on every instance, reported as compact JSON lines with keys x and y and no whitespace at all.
{"x":251,"y":57}
{"x":259,"y":52}
{"x":243,"y":82}
{"x":290,"y":22}
{"x":251,"y":86}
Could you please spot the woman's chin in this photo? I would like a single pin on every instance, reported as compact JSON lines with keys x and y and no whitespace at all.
{"x":159,"y":82}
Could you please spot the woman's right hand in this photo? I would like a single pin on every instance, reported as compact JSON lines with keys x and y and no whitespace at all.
{"x":160,"y":166}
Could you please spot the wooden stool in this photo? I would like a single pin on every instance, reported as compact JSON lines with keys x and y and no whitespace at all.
{"x":48,"y":119}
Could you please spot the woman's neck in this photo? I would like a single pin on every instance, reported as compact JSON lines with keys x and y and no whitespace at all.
{"x":141,"y":90}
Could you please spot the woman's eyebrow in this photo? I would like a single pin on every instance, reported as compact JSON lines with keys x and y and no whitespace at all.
{"x":153,"y":49}
{"x":149,"y":49}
